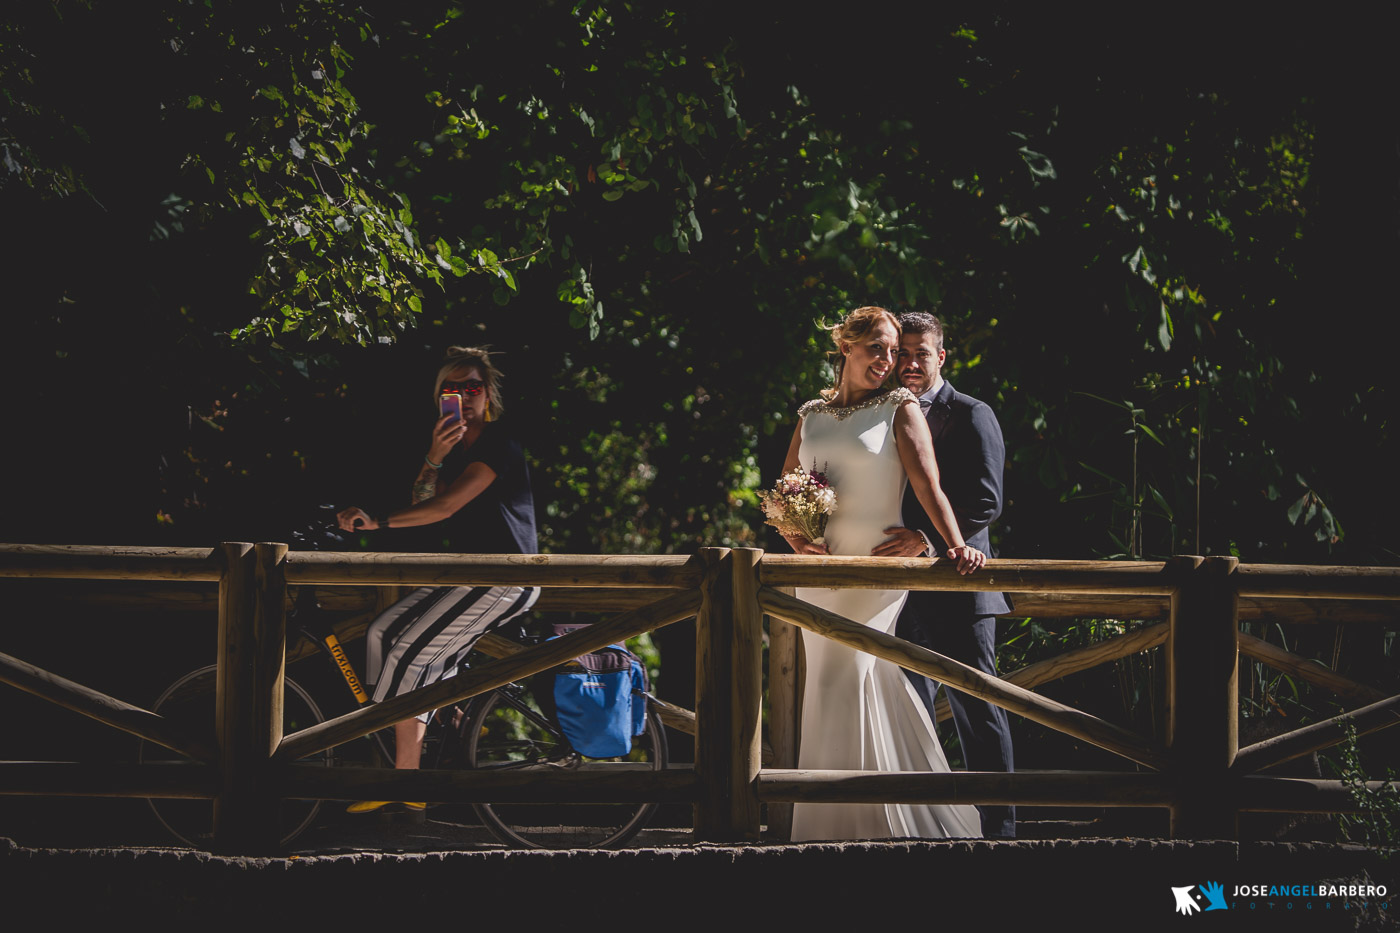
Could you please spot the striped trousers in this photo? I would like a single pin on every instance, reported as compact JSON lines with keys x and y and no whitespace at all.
{"x":424,"y":636}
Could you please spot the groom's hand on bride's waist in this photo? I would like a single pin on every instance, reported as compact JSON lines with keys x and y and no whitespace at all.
{"x":902,"y":542}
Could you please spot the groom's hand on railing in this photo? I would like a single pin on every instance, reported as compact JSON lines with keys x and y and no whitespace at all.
{"x":968,"y":558}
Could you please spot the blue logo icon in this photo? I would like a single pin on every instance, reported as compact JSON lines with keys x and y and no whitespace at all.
{"x":1212,"y":893}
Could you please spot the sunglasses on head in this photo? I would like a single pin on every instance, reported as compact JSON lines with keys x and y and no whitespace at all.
{"x":470,"y":387}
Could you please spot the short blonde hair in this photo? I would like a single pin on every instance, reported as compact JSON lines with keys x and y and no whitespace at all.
{"x":850,"y":329}
{"x":480,"y":357}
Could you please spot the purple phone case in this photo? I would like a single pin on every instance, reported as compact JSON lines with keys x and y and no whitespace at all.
{"x":451,"y":404}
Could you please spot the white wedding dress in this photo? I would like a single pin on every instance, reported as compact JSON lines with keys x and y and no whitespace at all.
{"x":860,"y":713}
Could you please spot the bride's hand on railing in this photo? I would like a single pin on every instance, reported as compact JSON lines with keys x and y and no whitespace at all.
{"x":801,"y":545}
{"x":968,"y":558}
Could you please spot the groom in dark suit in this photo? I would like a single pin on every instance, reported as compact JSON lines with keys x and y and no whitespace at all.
{"x":967,"y":441}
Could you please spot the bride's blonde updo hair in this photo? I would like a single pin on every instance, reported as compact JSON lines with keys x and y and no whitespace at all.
{"x":849,"y":330}
{"x":480,"y":357}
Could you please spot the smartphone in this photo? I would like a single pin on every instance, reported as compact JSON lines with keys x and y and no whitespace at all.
{"x":450,"y":404}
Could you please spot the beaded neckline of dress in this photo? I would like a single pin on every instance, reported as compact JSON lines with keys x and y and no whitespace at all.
{"x":842,"y":412}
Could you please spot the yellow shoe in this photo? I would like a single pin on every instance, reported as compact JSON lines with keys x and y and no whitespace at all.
{"x":369,"y":806}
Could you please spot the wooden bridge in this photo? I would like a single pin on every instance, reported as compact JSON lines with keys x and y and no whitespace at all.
{"x":1199,"y":773}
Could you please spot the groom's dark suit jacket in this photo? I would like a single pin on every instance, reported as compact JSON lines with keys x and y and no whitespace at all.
{"x":967,"y":441}
{"x":971,"y":455}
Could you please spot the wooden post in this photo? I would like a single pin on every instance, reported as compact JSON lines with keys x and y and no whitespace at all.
{"x":1203,"y":697}
{"x":728,"y":664}
{"x":252,"y":659}
{"x":783,"y":713}
{"x":745,"y":695}
{"x":236,"y":600}
{"x":712,"y":759}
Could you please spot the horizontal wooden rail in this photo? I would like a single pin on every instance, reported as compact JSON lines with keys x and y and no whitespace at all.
{"x":1288,"y":610}
{"x":592,"y":570}
{"x":106,"y":709}
{"x":1042,"y":788}
{"x":1268,"y":794}
{"x":968,"y":679}
{"x":186,"y":779}
{"x":201,"y":596}
{"x":493,"y":785}
{"x":1048,"y":789}
{"x":488,"y":676}
{"x":1142,"y":578}
{"x":1298,"y":581}
{"x":89,"y":562}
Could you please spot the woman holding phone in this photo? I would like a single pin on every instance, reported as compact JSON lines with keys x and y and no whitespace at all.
{"x":475,"y":479}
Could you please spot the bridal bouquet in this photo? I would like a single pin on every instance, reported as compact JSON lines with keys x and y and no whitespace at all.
{"x":800,"y":503}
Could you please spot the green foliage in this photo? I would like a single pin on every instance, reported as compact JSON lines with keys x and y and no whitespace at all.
{"x":33,"y":129}
{"x":1377,"y":823}
{"x":649,"y":210}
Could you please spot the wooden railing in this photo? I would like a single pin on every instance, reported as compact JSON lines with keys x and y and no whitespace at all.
{"x":244,"y":763}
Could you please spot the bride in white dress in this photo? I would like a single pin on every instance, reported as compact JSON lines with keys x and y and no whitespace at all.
{"x":860,"y":713}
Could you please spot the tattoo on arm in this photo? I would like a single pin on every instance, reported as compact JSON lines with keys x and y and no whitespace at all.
{"x":425,"y":486}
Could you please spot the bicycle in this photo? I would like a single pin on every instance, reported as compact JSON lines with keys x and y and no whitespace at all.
{"x":508,"y":728}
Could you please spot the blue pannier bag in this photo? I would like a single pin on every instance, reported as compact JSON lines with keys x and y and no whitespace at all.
{"x":600,"y":700}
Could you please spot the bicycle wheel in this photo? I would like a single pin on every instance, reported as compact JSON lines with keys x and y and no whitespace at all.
{"x":506,"y":729}
{"x":189,"y":702}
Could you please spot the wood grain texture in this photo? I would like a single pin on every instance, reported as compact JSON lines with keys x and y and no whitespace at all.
{"x":105,"y":709}
{"x":1307,"y":669}
{"x":1077,"y":660}
{"x":746,"y":695}
{"x":1308,"y":582}
{"x":1143,"y":578}
{"x":248,"y":699}
{"x":784,"y":710}
{"x":92,"y":562}
{"x":201,"y":596}
{"x":563,"y":570}
{"x":1049,"y":789}
{"x":1043,"y":788}
{"x":1367,"y":719}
